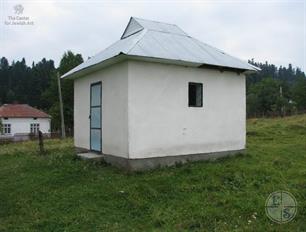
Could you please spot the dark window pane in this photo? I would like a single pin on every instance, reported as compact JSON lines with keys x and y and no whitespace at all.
{"x":7,"y":128}
{"x":192,"y":96}
{"x":195,"y":93}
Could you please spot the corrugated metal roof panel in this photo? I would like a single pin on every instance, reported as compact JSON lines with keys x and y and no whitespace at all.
{"x":149,"y":39}
{"x":222,"y":58}
{"x":169,"y":46}
{"x":121,"y":46}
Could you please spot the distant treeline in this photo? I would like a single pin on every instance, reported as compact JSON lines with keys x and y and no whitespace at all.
{"x":36,"y":85}
{"x":273,"y":91}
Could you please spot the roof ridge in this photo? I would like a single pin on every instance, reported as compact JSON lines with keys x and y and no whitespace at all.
{"x":154,"y":21}
{"x":154,"y":25}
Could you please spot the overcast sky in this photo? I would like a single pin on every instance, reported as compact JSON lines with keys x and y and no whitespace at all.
{"x":264,"y":30}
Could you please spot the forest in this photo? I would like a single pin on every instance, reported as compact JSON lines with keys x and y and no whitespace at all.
{"x":273,"y":91}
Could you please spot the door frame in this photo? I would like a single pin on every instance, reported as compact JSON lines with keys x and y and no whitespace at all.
{"x":91,"y":85}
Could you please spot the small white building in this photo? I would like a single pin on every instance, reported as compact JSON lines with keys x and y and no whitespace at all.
{"x":158,"y":96}
{"x":21,"y":120}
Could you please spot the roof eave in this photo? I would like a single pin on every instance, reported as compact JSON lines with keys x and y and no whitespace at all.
{"x":6,"y":116}
{"x":95,"y":67}
{"x":121,"y":56}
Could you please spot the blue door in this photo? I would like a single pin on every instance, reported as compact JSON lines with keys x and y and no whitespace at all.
{"x":95,"y":117}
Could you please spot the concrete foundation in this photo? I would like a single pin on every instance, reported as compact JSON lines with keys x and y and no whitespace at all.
{"x":156,"y":162}
{"x":90,"y":156}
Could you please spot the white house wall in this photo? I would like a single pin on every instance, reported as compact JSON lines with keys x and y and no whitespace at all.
{"x":22,"y":125}
{"x":162,"y":124}
{"x":114,"y":109}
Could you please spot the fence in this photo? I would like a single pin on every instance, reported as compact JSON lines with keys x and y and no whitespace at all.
{"x":20,"y":137}
{"x":275,"y":114}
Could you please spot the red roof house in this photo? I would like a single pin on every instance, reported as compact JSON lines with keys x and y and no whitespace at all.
{"x":22,"y":119}
{"x":21,"y":111}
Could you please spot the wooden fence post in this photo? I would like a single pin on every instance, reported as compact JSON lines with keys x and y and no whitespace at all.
{"x":41,"y":142}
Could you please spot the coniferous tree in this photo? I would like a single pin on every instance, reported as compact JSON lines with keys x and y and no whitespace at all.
{"x":271,"y":91}
{"x":68,"y":61}
{"x":285,"y":95}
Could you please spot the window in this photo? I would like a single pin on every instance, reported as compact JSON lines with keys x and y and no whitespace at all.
{"x":195,"y":94}
{"x":7,"y":129}
{"x":34,"y":128}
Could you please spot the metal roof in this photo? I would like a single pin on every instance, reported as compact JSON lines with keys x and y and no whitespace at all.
{"x":165,"y":42}
{"x":137,"y":24}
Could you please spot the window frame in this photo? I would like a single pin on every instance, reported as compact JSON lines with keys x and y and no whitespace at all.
{"x":7,"y":128}
{"x":195,"y":84}
{"x":34,"y":128}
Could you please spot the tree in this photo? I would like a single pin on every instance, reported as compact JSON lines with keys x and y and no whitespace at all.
{"x":1,"y":127}
{"x":299,"y":93}
{"x":267,"y":97}
{"x":36,"y":85}
{"x":23,"y":84}
{"x":10,"y":96}
{"x":40,"y":80}
{"x":68,"y":62}
{"x":4,"y":73}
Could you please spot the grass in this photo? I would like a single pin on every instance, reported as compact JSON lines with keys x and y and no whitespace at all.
{"x":58,"y":192}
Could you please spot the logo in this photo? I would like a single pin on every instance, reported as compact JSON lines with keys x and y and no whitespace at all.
{"x":18,"y":19}
{"x":281,"y":207}
{"x":18,"y":9}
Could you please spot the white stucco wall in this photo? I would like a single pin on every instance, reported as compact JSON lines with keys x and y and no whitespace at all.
{"x":162,"y":124}
{"x":22,"y":125}
{"x":145,"y":110}
{"x":114,"y":109}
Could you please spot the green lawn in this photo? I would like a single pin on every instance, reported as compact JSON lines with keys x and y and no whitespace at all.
{"x":58,"y":192}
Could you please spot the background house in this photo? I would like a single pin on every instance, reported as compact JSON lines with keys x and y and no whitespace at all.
{"x":20,"y":120}
{"x":158,"y":96}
